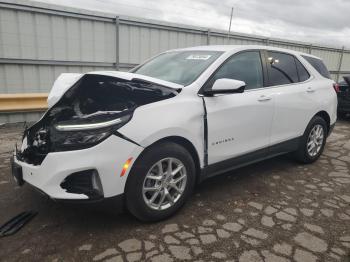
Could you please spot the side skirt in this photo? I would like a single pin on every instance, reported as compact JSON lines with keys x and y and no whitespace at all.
{"x":250,"y":158}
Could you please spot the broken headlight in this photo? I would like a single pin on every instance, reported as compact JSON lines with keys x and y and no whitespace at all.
{"x":70,"y":135}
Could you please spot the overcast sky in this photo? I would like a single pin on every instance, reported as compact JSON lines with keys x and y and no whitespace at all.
{"x":316,"y":21}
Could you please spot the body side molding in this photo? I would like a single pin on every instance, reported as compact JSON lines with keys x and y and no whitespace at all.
{"x":249,"y":158}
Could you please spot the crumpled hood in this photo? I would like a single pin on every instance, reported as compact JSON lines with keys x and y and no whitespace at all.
{"x":130,"y":76}
{"x":60,"y":86}
{"x":89,"y":108}
{"x":66,"y":80}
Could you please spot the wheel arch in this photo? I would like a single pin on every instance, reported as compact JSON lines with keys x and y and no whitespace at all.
{"x":323,"y":114}
{"x":188,"y":145}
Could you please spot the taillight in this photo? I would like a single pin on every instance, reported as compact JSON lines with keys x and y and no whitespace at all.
{"x":336,"y":87}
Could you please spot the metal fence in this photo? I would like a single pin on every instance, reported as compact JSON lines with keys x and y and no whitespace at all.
{"x":40,"y":41}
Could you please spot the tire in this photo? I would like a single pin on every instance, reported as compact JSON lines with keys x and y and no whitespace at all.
{"x":138,"y":201}
{"x":303,"y":155}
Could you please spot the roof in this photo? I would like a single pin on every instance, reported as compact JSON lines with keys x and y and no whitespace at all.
{"x":230,"y":48}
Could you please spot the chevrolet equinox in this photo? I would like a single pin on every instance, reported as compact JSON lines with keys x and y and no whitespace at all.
{"x":146,"y":137}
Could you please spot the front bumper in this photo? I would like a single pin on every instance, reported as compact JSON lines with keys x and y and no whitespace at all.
{"x":107,"y":158}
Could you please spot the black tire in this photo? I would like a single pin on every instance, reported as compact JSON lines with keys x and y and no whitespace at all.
{"x":135,"y":202}
{"x":302,"y":155}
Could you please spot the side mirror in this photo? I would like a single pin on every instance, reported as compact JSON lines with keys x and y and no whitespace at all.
{"x":226,"y":86}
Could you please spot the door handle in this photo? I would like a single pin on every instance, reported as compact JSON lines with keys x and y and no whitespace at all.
{"x":310,"y":90}
{"x":264,"y":98}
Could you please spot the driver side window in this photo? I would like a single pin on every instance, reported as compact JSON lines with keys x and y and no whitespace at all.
{"x":244,"y":66}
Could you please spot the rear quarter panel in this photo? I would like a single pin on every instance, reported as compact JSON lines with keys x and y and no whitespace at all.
{"x":327,"y":97}
{"x":325,"y":93}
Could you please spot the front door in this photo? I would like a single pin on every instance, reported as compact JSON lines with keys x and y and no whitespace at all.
{"x":240,"y":123}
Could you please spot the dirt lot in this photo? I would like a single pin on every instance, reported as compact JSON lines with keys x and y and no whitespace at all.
{"x":276,"y":210}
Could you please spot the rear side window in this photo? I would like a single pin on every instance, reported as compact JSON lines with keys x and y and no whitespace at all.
{"x":319,"y":66}
{"x":302,"y":72}
{"x":282,"y":69}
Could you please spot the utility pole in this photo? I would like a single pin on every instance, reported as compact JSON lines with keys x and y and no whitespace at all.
{"x":229,"y":28}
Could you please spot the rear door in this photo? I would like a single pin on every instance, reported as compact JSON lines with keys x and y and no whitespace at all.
{"x":295,"y":96}
{"x":239,"y":123}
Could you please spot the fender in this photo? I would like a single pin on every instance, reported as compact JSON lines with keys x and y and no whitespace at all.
{"x":181,"y":117}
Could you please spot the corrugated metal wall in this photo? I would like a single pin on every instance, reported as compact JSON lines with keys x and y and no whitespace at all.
{"x":139,"y":42}
{"x":40,"y":41}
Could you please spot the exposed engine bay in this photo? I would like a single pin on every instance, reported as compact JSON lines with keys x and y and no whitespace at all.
{"x":89,"y":112}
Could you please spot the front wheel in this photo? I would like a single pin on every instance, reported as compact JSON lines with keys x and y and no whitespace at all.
{"x":160,"y":182}
{"x":313,"y":141}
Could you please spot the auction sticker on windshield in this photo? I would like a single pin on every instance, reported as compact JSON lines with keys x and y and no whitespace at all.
{"x":198,"y":57}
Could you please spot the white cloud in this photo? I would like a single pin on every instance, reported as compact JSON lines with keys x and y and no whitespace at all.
{"x":316,"y":21}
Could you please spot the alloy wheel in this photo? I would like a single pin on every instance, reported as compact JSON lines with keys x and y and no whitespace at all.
{"x":164,"y":183}
{"x":315,"y":140}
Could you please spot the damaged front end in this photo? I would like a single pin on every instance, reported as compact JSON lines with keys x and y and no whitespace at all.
{"x":94,"y":108}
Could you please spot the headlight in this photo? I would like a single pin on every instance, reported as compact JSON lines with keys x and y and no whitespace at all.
{"x":82,"y":126}
{"x":79,"y":135}
{"x":88,"y":126}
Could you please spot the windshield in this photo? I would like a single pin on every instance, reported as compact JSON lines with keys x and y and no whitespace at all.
{"x":180,"y":67}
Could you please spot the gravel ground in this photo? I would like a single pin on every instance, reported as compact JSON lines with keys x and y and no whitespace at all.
{"x":276,"y":210}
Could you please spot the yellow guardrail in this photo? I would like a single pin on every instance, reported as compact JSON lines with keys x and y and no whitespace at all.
{"x":31,"y":102}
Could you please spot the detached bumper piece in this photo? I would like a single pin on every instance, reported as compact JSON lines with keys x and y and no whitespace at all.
{"x":85,"y":182}
{"x":15,"y":224}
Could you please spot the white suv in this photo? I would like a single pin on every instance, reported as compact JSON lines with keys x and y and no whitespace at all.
{"x":146,"y":137}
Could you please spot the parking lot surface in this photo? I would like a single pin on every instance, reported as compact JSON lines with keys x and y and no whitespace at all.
{"x":276,"y":210}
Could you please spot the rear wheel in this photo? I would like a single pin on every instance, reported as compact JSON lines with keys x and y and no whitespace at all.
{"x":160,"y":182}
{"x":313,"y":141}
